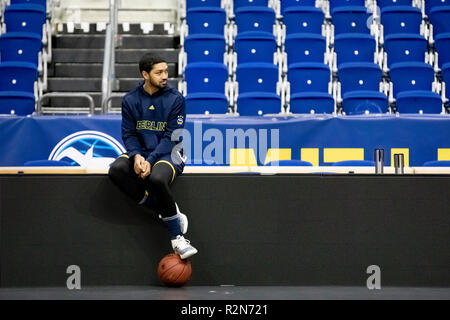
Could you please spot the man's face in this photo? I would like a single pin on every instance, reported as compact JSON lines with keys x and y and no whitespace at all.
{"x":158,"y":75}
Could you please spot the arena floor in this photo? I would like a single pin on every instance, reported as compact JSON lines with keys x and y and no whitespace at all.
{"x":226,"y":293}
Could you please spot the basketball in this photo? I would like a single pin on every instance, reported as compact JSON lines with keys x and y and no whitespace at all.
{"x":173,"y":271}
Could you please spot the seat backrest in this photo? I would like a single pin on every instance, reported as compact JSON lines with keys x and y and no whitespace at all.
{"x":442,"y":44}
{"x":25,"y":18}
{"x":440,"y":17}
{"x":305,"y":48}
{"x":387,"y":3}
{"x":405,"y":47}
{"x":255,"y":19}
{"x":203,"y":3}
{"x":206,"y":20}
{"x":351,"y":20}
{"x":205,"y":47}
{"x":249,"y":3}
{"x":435,"y":3}
{"x":309,"y":77}
{"x":401,"y":19}
{"x":20,"y":46}
{"x":18,"y":76}
{"x":257,"y":77}
{"x":354,"y":48}
{"x":40,"y":2}
{"x":205,"y":77}
{"x":334,"y":4}
{"x":303,"y":20}
{"x":362,"y":76}
{"x":255,"y":47}
{"x":446,"y":78}
{"x":296,"y":4}
{"x":411,"y":76}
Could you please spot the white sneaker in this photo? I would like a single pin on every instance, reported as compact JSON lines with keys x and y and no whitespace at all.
{"x":183,"y":220}
{"x":183,"y":247}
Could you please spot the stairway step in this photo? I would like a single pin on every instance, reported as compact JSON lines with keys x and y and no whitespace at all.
{"x":94,"y":84}
{"x":135,"y":28}
{"x":95,"y":70}
{"x":88,"y":41}
{"x":122,"y":55}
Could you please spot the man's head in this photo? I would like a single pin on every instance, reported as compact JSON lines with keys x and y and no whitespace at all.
{"x":154,"y":70}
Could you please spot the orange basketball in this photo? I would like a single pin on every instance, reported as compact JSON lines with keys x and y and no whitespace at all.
{"x":173,"y":271}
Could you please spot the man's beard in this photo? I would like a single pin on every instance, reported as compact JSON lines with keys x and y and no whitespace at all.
{"x":160,"y":85}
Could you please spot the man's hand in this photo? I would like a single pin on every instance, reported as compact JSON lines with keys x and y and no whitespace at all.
{"x":139,"y":164}
{"x":147,"y":169}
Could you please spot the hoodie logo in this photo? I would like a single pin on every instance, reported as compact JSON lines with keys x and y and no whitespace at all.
{"x":180,"y":120}
{"x":151,"y":108}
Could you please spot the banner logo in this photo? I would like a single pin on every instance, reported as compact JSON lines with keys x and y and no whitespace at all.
{"x":88,"y":149}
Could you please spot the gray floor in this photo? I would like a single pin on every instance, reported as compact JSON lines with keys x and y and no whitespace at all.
{"x":225,"y":293}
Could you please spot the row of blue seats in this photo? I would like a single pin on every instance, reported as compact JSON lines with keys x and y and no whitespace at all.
{"x":20,"y":47}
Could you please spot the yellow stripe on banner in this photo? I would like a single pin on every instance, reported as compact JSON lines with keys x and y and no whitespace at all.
{"x":165,"y":161}
{"x":124,"y":156}
{"x":242,"y":157}
{"x":310,"y":155}
{"x":443,"y":154}
{"x":342,"y":154}
{"x":277,"y":155}
{"x":404,"y":151}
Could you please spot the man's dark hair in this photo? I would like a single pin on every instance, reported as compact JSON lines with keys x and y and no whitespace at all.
{"x":148,"y":60}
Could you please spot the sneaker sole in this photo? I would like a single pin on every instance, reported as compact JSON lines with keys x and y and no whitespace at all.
{"x":188,"y":254}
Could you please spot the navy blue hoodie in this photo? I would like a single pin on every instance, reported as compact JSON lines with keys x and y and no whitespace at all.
{"x":149,"y":120}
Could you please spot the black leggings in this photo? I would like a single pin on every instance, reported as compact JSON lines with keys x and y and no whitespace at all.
{"x":157,"y":184}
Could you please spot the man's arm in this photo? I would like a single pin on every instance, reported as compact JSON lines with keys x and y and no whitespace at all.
{"x":176,"y":120}
{"x":129,"y":132}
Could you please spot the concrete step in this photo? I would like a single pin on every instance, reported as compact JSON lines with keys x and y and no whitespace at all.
{"x":97,"y":41}
{"x":135,"y":28}
{"x":93,"y":84}
{"x":122,"y":55}
{"x":94,"y":70}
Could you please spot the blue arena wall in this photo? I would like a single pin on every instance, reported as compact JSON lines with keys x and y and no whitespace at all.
{"x":318,"y":139}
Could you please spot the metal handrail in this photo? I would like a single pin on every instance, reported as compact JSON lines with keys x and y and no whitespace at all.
{"x":105,"y":105}
{"x":66,"y":95}
{"x":109,"y":58}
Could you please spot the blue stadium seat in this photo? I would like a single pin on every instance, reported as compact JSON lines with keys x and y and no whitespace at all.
{"x":237,"y":4}
{"x":257,"y":89}
{"x":401,"y":19}
{"x":309,"y":88}
{"x":25,"y":18}
{"x":39,"y":2}
{"x":442,"y":45}
{"x":388,"y":3}
{"x":413,"y":84}
{"x":334,"y":4}
{"x":405,"y":47}
{"x":429,"y":4}
{"x":296,"y":4}
{"x":18,"y":76}
{"x":20,"y":103}
{"x":205,"y":48}
{"x":354,"y":48}
{"x":446,"y":78}
{"x":206,"y":88}
{"x":440,"y":17}
{"x":255,"y":47}
{"x":437,"y":163}
{"x":305,"y":48}
{"x":354,"y":163}
{"x":360,"y":76}
{"x":362,"y":102}
{"x":303,"y":20}
{"x":202,"y":3}
{"x":20,"y":46}
{"x":206,"y":20}
{"x":351,"y":20}
{"x":289,"y":163}
{"x":255,"y":19}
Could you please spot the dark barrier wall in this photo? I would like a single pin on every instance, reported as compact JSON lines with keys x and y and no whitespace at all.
{"x":249,"y":229}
